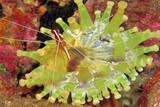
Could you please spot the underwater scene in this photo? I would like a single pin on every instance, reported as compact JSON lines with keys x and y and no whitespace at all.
{"x":79,"y":53}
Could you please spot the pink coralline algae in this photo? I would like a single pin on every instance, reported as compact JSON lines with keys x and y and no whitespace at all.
{"x":27,"y":20}
{"x":8,"y":58}
{"x":143,"y":21}
{"x":143,"y":14}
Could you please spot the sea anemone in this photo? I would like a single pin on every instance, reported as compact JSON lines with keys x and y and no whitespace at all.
{"x":91,"y":59}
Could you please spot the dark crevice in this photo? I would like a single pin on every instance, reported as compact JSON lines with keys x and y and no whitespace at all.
{"x":55,"y":11}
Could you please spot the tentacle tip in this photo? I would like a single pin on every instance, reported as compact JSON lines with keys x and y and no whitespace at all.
{"x":117,"y":96}
{"x":101,"y":98}
{"x":27,"y":76}
{"x":96,"y":101}
{"x":158,"y":33}
{"x":97,"y":12}
{"x":22,"y":82}
{"x":135,"y":29}
{"x":78,"y":1}
{"x":149,"y":61}
{"x":121,"y":29}
{"x":38,"y":96}
{"x":147,"y":30}
{"x":71,"y":19}
{"x":122,"y":4}
{"x":89,"y":99}
{"x":19,"y":53}
{"x":156,"y":48}
{"x":110,"y":3}
{"x":42,"y":29}
{"x":119,"y":89}
{"x":59,"y":20}
{"x":136,"y":74}
{"x":62,"y":4}
{"x":140,"y":69}
{"x":133,"y":79}
{"x":125,"y":17}
{"x":107,"y":96}
{"x":127,"y":88}
{"x":77,"y":103}
{"x":51,"y":99}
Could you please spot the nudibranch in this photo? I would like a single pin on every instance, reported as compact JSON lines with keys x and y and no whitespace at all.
{"x":91,"y":59}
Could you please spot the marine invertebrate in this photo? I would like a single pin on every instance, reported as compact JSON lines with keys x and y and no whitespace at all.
{"x":91,"y":59}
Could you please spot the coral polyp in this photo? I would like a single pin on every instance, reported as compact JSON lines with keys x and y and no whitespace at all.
{"x":91,"y":59}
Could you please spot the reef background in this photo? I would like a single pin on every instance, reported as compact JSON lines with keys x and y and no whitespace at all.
{"x":142,"y":13}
